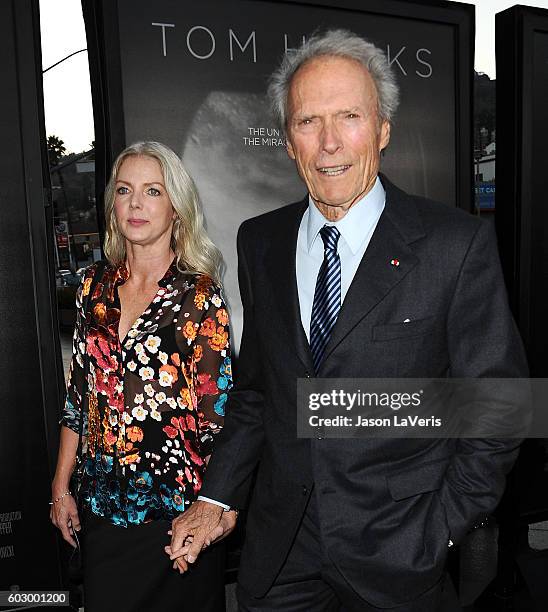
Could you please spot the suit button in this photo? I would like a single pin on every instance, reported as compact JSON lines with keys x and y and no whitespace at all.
{"x":307,"y":374}
{"x":320,"y":437}
{"x":305,"y":490}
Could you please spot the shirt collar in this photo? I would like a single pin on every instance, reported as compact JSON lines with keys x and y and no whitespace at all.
{"x":355,"y":225}
{"x":122,"y":274}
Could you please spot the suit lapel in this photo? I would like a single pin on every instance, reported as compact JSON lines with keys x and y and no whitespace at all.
{"x":280,"y":264}
{"x":387,"y":260}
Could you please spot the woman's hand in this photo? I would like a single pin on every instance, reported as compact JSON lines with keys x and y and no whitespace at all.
{"x":64,"y":515}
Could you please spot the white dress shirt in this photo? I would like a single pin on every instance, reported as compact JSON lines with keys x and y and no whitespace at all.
{"x":356,"y":229}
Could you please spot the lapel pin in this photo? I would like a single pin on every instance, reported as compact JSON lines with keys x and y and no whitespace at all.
{"x":395,"y":262}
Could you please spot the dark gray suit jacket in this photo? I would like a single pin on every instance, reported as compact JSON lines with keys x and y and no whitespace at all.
{"x":387,"y":508}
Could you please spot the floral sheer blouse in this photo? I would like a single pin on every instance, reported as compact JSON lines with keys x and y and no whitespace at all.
{"x":155,"y":398}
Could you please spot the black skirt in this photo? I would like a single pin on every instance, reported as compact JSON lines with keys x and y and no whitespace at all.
{"x":127,"y":569}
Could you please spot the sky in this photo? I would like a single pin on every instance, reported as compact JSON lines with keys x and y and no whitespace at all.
{"x":67,"y":95}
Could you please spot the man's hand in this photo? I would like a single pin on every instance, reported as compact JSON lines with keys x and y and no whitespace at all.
{"x":198,"y":527}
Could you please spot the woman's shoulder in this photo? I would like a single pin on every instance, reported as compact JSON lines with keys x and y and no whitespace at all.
{"x":204,"y":290}
{"x":97,"y":268}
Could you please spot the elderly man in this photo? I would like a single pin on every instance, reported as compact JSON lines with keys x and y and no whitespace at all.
{"x":359,"y":280}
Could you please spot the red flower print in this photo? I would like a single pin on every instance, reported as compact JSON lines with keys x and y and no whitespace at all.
{"x":219,"y":340}
{"x":177,"y":426}
{"x":195,"y":457}
{"x":203,"y":284}
{"x":100,"y":311}
{"x":222,"y":316}
{"x":134,"y":433}
{"x":208,"y":327}
{"x":86,"y":287}
{"x":109,"y":438}
{"x":128,"y":459}
{"x":206,"y":386}
{"x":199,"y":301}
{"x":189,"y":331}
{"x":98,"y":291}
{"x":190,"y":423}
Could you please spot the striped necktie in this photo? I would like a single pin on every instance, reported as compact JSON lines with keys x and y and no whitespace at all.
{"x":327,"y":296}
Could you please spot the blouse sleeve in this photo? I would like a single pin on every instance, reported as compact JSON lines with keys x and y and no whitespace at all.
{"x":212,"y":367}
{"x":72,"y":410}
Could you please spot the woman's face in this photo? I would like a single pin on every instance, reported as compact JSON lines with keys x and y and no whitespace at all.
{"x":142,"y":207}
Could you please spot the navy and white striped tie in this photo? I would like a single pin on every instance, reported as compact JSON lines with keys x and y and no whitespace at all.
{"x":327,"y":296}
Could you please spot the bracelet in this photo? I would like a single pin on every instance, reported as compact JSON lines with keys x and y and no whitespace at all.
{"x":58,"y":499}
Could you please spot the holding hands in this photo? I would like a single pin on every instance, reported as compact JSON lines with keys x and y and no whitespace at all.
{"x":198,"y":527}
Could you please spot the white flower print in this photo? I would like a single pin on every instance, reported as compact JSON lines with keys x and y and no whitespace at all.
{"x":160,"y":397}
{"x":127,"y":418}
{"x":152,"y":343}
{"x":152,"y":404}
{"x":163,"y":357}
{"x":170,"y":401}
{"x":139,"y":399}
{"x":146,"y":373}
{"x":133,"y":333}
{"x":149,"y":390}
{"x":216,"y":301}
{"x":131,"y":366}
{"x":157,"y":416}
{"x":144,"y":359}
{"x":139,"y":348}
{"x":165,"y":379}
{"x":139,"y":413}
{"x":176,"y":308}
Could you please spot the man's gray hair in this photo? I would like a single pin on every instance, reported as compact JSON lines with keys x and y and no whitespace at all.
{"x":337,"y":43}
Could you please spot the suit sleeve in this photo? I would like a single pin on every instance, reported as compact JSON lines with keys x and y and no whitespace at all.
{"x":239,"y":445}
{"x":483,"y":342}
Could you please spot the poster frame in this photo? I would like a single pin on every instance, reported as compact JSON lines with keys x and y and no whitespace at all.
{"x":101,"y":22}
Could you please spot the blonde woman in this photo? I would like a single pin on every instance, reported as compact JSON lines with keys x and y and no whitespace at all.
{"x":154,"y":338}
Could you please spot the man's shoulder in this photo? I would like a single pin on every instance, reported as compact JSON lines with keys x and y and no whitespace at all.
{"x":279,"y":218}
{"x":435,"y":217}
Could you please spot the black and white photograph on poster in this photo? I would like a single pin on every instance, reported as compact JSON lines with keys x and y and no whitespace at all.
{"x":194,"y":76}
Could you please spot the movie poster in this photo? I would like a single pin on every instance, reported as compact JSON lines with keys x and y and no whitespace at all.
{"x":194,"y":76}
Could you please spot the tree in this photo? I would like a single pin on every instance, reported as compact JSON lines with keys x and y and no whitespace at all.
{"x":56,"y":150}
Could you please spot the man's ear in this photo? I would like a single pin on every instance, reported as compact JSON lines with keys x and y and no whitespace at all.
{"x":289,"y":148}
{"x":384,"y":135}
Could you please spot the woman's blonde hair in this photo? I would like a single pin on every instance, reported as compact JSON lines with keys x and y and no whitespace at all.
{"x":194,"y":250}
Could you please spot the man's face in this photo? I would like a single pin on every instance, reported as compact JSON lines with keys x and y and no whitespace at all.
{"x":334,"y":133}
